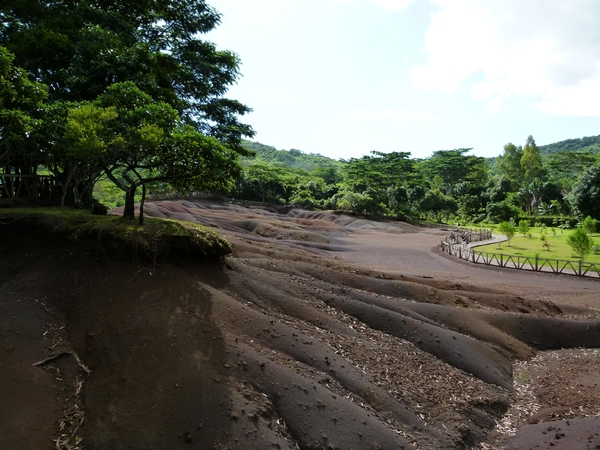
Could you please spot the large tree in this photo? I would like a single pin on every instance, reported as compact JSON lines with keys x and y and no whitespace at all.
{"x":509,"y":164}
{"x":531,"y":161}
{"x":136,"y":141}
{"x":79,"y":49}
{"x":454,"y":167}
{"x":585,"y":196}
{"x":22,"y":108}
{"x":379,"y":171}
{"x":438,"y":204}
{"x":564,"y":167}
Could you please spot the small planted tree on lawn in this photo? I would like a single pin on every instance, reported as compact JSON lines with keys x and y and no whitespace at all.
{"x":508,"y":230}
{"x":580,"y":242}
{"x":523,"y":227}
{"x":544,"y":240}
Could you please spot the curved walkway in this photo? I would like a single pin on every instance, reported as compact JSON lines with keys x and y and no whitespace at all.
{"x":418,"y":254}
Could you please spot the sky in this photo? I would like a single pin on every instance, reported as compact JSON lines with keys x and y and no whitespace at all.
{"x":342,"y":78}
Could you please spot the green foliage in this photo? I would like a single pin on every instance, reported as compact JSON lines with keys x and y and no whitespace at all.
{"x":133,"y":92}
{"x":107,"y":193}
{"x":448,"y":168}
{"x":571,"y":145}
{"x":79,"y":49}
{"x":531,"y":161}
{"x":22,"y":108}
{"x":565,"y":167}
{"x":566,"y":222}
{"x":501,"y":211}
{"x":271,"y":181}
{"x":509,"y":164}
{"x":524,"y":247}
{"x":438,"y":205}
{"x":585,"y":196}
{"x":469,"y":206}
{"x":321,"y":166}
{"x":590,"y":225}
{"x":523,"y":227}
{"x":359,"y":203}
{"x":379,"y":171}
{"x":507,"y":229}
{"x":580,"y":242}
{"x":86,"y":130}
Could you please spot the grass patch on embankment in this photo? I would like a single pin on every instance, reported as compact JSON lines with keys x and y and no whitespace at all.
{"x":113,"y":236}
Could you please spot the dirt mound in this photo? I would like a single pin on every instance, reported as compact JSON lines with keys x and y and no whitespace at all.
{"x":291,"y":343}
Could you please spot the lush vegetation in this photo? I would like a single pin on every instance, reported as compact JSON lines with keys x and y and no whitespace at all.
{"x":123,"y":90}
{"x":523,"y":183}
{"x":116,"y":99}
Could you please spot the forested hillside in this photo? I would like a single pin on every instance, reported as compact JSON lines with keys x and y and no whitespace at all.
{"x":550,"y":186}
{"x":292,"y":158}
{"x":589,"y":143}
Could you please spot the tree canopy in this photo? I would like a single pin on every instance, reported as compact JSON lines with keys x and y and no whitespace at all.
{"x":22,"y":104}
{"x":130,"y":89}
{"x":585,"y":195}
{"x":78,"y":49}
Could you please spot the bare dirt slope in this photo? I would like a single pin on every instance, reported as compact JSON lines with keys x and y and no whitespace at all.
{"x":320,"y":331}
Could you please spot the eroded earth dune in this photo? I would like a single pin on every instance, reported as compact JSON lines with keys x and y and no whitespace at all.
{"x":320,"y":331}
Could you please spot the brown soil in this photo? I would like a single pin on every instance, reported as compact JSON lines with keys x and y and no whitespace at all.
{"x":320,"y":331}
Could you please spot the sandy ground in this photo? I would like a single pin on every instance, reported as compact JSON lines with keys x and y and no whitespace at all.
{"x":320,"y":331}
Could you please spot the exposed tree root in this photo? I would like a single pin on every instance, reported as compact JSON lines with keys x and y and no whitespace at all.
{"x":58,"y":355}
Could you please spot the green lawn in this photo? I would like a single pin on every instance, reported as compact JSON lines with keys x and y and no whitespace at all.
{"x":532,"y":246}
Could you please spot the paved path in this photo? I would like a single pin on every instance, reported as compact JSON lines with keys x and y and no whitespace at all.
{"x":417,"y":254}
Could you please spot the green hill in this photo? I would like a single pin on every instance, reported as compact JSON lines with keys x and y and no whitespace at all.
{"x":591,"y":143}
{"x":291,"y":158}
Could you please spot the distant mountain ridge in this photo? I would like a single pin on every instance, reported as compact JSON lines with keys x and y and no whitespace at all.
{"x":291,"y":158}
{"x":591,"y":143}
{"x":309,"y":161}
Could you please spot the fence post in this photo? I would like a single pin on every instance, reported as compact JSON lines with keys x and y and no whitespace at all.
{"x":501,"y":265}
{"x":579,"y":267}
{"x":459,"y":252}
{"x":473,"y":254}
{"x":536,"y":263}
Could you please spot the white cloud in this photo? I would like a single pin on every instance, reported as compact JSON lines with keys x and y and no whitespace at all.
{"x":582,"y":100}
{"x":537,"y":49}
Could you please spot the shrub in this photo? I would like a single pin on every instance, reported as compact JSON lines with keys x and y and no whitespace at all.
{"x":590,"y":225}
{"x":507,"y":229}
{"x":523,"y":227}
{"x":580,"y":242}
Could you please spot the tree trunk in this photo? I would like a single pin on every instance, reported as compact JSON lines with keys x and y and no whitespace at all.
{"x":142,"y":204}
{"x":65,"y":187}
{"x":129,"y":210}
